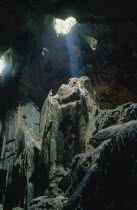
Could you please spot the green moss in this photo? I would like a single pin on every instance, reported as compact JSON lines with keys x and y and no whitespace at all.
{"x":11,"y":68}
{"x":8,"y":56}
{"x":92,"y":41}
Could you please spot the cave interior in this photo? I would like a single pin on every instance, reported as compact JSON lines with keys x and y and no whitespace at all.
{"x":68,"y":105}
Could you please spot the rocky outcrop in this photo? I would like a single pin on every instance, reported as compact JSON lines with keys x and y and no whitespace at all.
{"x":72,"y":155}
{"x":66,"y":126}
{"x":91,"y":176}
{"x":103,"y":177}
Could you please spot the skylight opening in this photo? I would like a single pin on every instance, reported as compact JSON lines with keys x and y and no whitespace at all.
{"x":63,"y":27}
{"x":2,"y":64}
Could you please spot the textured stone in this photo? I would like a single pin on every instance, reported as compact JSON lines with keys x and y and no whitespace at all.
{"x":73,"y":149}
{"x":47,"y":203}
{"x":103,"y":177}
{"x":66,"y":125}
{"x":20,"y":148}
{"x":121,"y":114}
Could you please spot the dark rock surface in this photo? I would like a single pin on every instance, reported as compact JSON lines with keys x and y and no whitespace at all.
{"x":109,"y":180}
{"x":114,"y":76}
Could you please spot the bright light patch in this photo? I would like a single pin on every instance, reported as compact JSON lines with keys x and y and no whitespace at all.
{"x":2,"y":64}
{"x":64,"y":26}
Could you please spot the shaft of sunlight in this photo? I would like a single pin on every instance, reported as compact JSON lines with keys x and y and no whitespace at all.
{"x":74,"y":66}
{"x":63,"y":27}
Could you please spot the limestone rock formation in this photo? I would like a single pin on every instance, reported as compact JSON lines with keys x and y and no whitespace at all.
{"x":72,"y":155}
{"x":65,"y":127}
{"x":20,"y":147}
{"x":104,"y":177}
{"x":37,"y":151}
{"x":78,"y":150}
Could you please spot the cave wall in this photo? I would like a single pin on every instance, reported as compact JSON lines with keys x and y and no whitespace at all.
{"x":20,"y":147}
{"x":114,"y":76}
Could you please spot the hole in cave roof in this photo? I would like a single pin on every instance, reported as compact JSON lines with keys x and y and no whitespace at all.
{"x":64,"y":26}
{"x":2,"y":64}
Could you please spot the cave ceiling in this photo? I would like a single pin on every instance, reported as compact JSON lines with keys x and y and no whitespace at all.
{"x":19,"y":20}
{"x":27,"y":24}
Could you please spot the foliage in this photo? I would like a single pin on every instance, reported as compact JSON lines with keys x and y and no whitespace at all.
{"x":92,"y":41}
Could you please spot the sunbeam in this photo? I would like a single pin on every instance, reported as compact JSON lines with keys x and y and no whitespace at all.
{"x":74,"y":65}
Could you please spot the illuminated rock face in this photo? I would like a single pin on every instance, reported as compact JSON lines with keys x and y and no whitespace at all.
{"x":66,"y":125}
{"x":69,"y":156}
